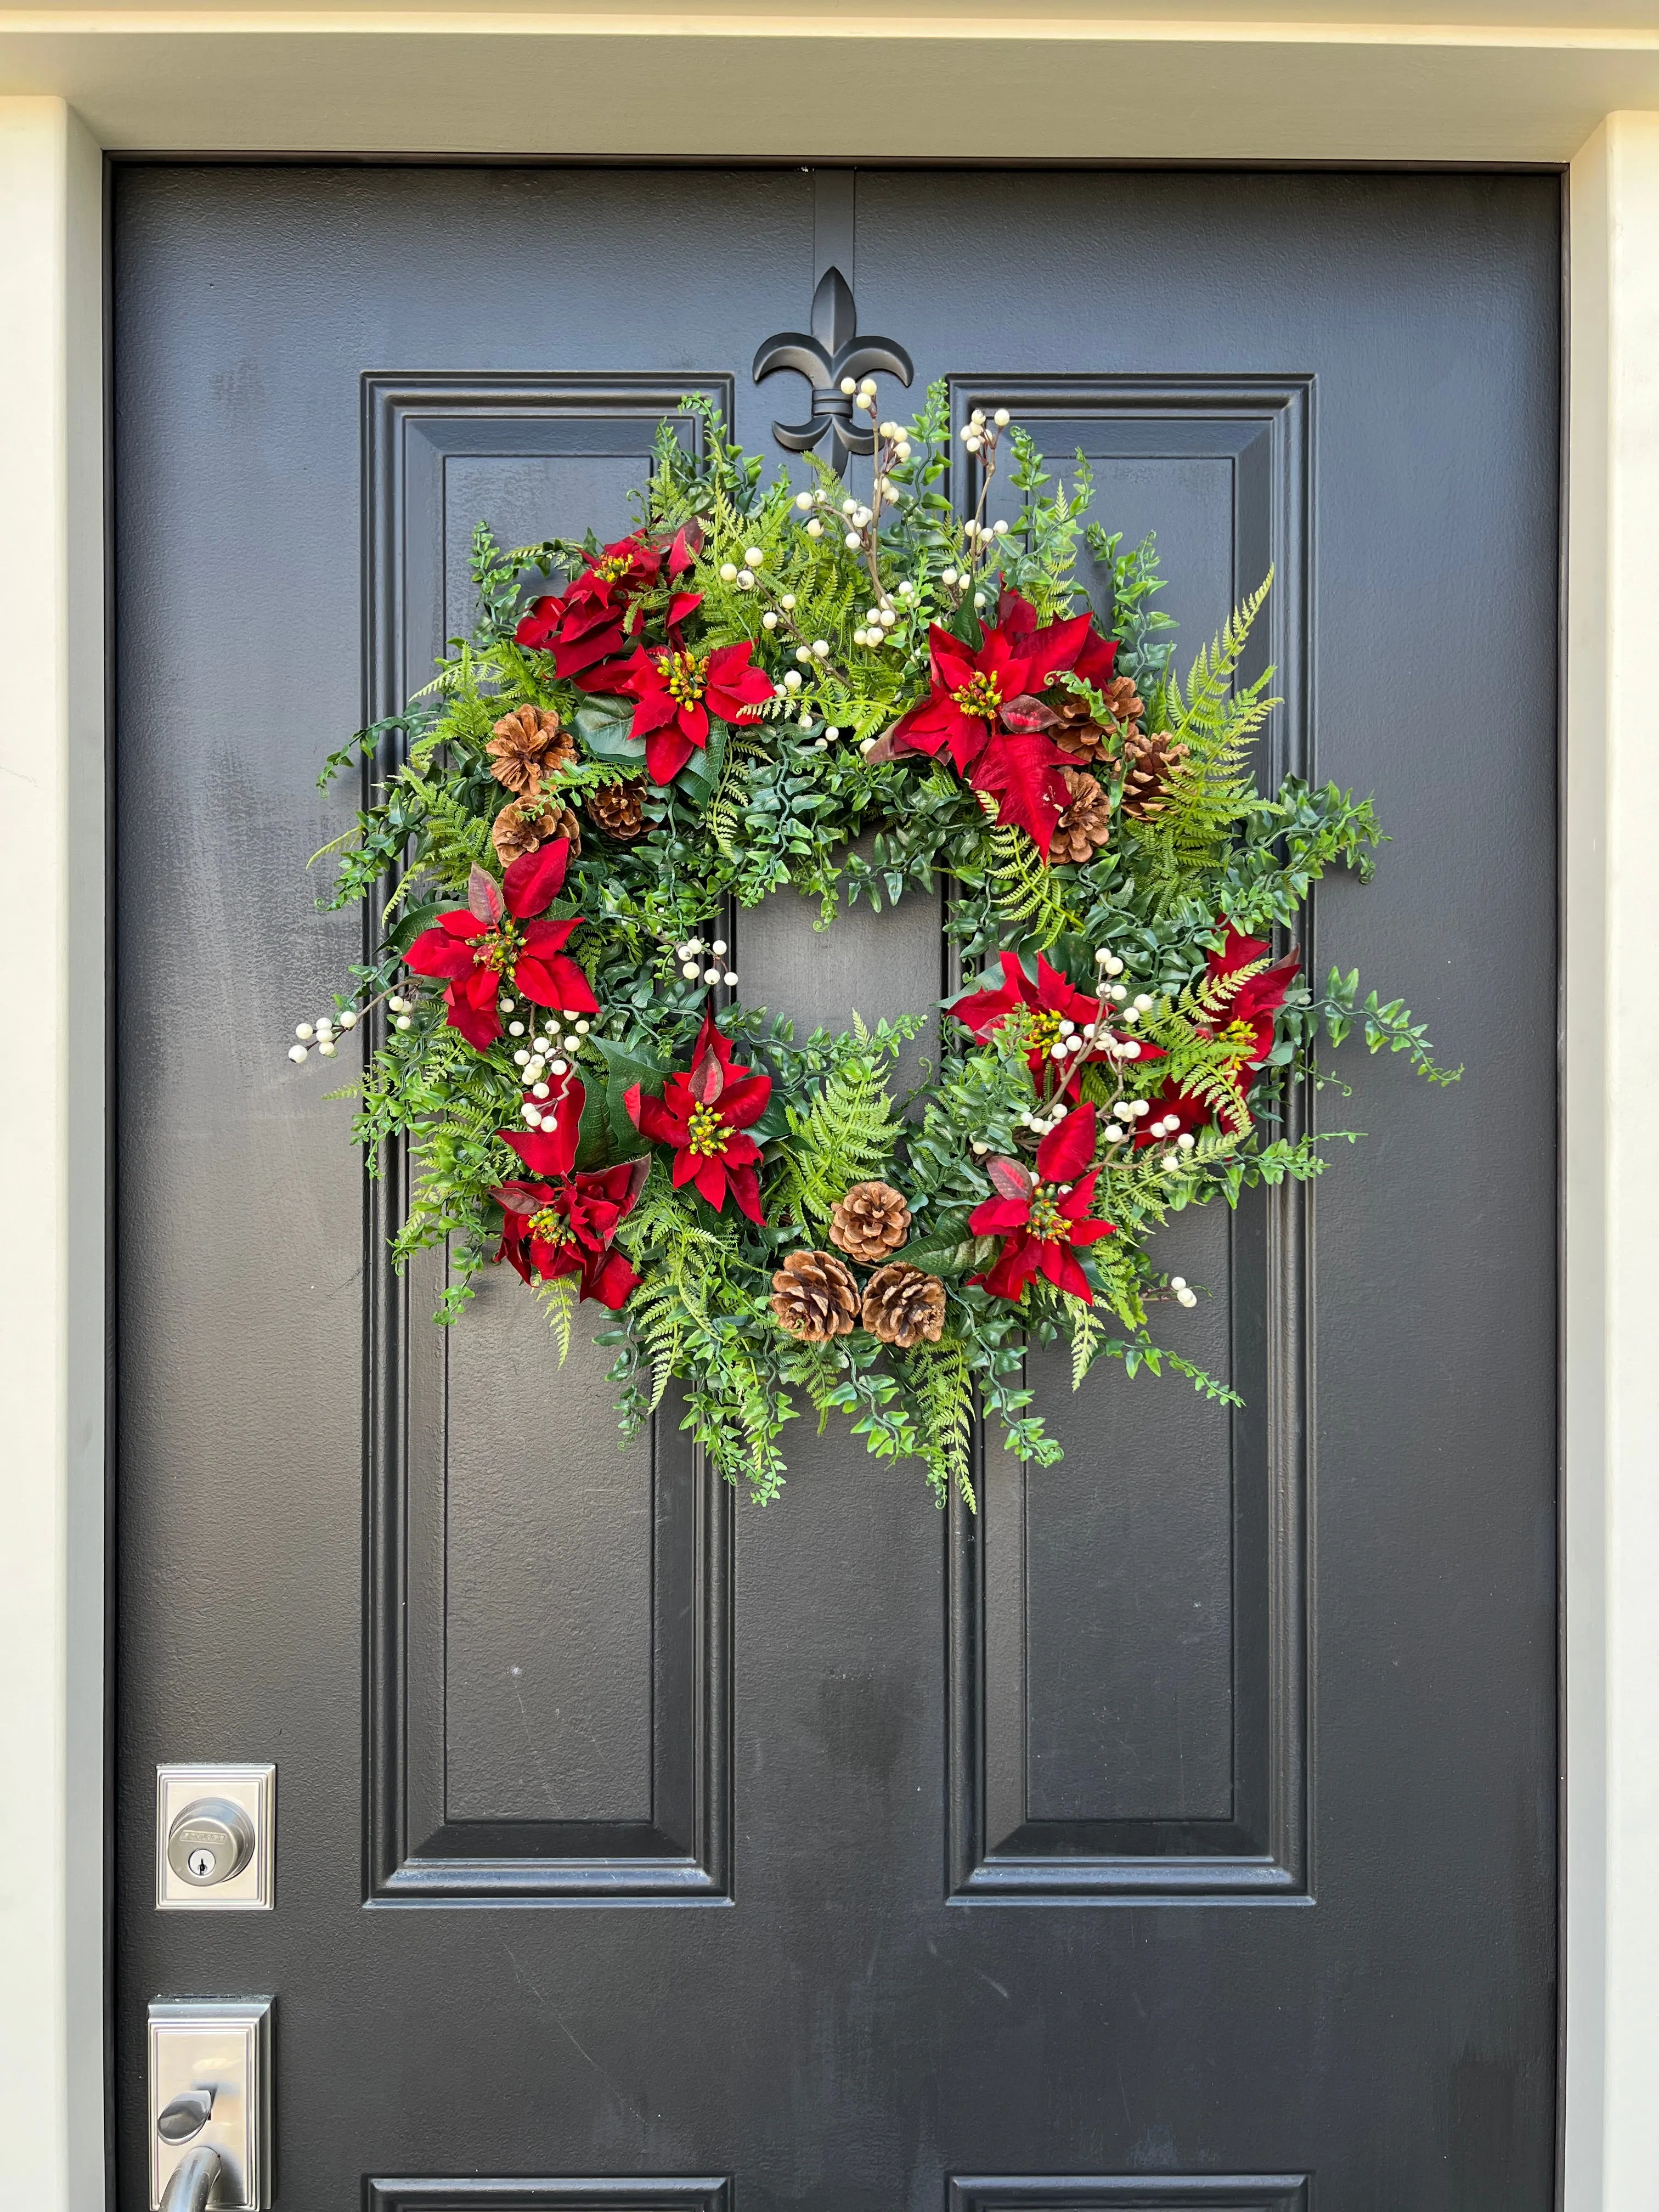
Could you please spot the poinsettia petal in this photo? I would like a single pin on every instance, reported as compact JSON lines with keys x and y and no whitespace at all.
{"x":542,"y":938}
{"x":708,"y":1079}
{"x":651,"y":1116}
{"x":435,"y":952}
{"x":741,"y":1151}
{"x":666,"y":752}
{"x":745,"y":1100}
{"x":746,"y":1188}
{"x":550,"y":1150}
{"x":511,"y":1249}
{"x":611,"y":1283}
{"x":682,"y":605}
{"x":1091,"y":1233}
{"x":1069,"y":1275}
{"x":479,"y":1025}
{"x":711,"y":1038}
{"x":709,"y":1174}
{"x":535,"y":879}
{"x":551,"y":980}
{"x":993,"y":1216}
{"x":1237,"y":950}
{"x":1023,"y":772}
{"x":460,"y":923}
{"x":1066,"y":1152}
{"x":924,"y":729}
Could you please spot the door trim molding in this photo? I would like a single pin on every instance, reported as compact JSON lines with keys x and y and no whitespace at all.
{"x":1322,"y":94}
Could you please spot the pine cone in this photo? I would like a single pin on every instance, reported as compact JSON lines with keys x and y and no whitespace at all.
{"x":902,"y":1303}
{"x":870,"y":1221}
{"x":1079,"y":734}
{"x":526,"y":824}
{"x":1087,"y":822}
{"x":529,"y":743}
{"x":1150,"y":764}
{"x":815,"y":1296}
{"x":618,"y":809}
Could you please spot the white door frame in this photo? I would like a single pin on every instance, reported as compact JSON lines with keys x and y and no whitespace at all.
{"x":1229,"y":86}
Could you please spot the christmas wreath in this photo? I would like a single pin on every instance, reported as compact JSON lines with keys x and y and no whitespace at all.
{"x":856,"y":697}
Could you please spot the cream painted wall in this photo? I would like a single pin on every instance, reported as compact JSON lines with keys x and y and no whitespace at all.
{"x":1393,"y":81}
{"x":1526,"y":85}
{"x":52,"y":1161}
{"x":1612,"y":1305}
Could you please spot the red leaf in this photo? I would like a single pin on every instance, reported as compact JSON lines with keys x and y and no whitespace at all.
{"x":1022,"y":771}
{"x":1028,"y":713}
{"x":1010,"y":1177}
{"x":708,"y":1080}
{"x":483,"y":895}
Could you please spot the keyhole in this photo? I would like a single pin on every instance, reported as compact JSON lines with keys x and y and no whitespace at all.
{"x":201,"y":1864}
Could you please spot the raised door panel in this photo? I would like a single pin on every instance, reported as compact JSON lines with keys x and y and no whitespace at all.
{"x":547,"y":1641}
{"x":1129,"y":1626}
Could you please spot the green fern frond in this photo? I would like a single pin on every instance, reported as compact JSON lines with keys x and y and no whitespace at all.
{"x":1027,"y":895}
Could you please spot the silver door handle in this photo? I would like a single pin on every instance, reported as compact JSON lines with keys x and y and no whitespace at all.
{"x":193,"y":2177}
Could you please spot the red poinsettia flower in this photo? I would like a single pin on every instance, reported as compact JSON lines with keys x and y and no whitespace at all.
{"x":1247,"y":1023}
{"x":1053,"y":1002}
{"x":1254,"y":1007}
{"x":494,"y":943}
{"x":984,"y":705}
{"x":678,"y":689}
{"x":705,"y":1116}
{"x":566,"y":1228}
{"x":584,"y":626}
{"x":1043,"y":1218}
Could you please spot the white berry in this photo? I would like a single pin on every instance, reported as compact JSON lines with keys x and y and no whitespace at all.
{"x":814,"y":528}
{"x":304,"y":1031}
{"x":327,"y":1047}
{"x":728,"y":572}
{"x":730,"y":977}
{"x":405,"y":1022}
{"x":521,"y":1057}
{"x":689,"y":970}
{"x":769,"y":620}
{"x":754,"y":556}
{"x":1144,"y":1003}
{"x":297,"y":1051}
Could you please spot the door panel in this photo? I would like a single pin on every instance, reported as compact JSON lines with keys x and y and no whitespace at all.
{"x":1178,"y":1832}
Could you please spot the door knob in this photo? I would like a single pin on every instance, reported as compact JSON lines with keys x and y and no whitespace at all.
{"x":210,"y":2104}
{"x":191,"y":2184}
{"x":186,"y":2116}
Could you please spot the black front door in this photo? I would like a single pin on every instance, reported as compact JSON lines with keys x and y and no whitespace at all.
{"x":1179,"y":1833}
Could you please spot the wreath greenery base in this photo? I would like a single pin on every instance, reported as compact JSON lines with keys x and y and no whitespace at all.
{"x":862,"y":699}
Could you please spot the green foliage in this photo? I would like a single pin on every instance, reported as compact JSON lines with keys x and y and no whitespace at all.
{"x":788,"y":797}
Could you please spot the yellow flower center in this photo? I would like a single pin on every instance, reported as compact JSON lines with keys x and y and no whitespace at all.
{"x":1241,"y":1036}
{"x":1047,"y":1222}
{"x":498,"y":950}
{"x":684,"y":672}
{"x":1044,"y":1031}
{"x":707,"y":1133}
{"x":613,"y":568}
{"x":552,"y":1228}
{"x":980,"y":696}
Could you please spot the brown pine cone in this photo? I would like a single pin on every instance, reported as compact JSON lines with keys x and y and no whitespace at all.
{"x":815,"y":1296}
{"x":618,"y":809}
{"x":526,"y":824}
{"x":902,"y":1303}
{"x":1152,"y":762}
{"x":870,"y":1221}
{"x":1079,"y":734}
{"x":1087,"y":822}
{"x":529,"y":743}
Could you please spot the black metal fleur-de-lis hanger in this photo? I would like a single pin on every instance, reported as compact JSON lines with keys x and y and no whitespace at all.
{"x":834,"y":352}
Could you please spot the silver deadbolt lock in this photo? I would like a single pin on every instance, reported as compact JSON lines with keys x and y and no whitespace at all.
{"x":215,"y":1837}
{"x":210,"y":1842}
